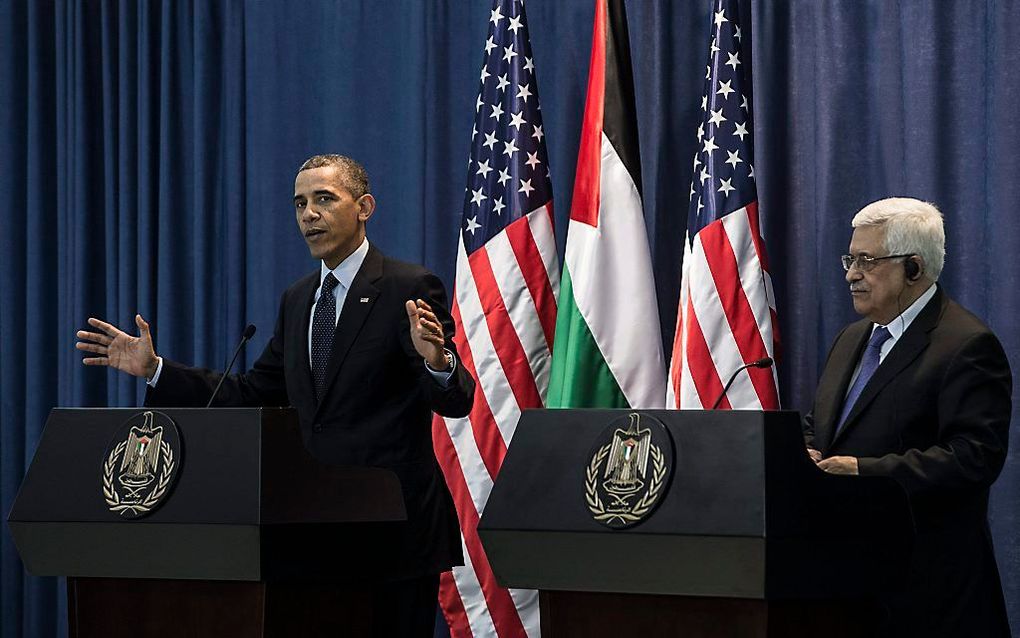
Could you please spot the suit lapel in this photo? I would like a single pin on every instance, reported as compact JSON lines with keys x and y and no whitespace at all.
{"x":907,"y":348}
{"x":307,"y":296}
{"x":357,"y":306}
{"x":833,"y":386}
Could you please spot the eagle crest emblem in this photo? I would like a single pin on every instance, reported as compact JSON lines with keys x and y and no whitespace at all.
{"x":628,"y":475}
{"x":141,"y":464}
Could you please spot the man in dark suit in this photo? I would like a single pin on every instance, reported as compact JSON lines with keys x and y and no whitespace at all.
{"x":920,"y":391}
{"x":363,"y":350}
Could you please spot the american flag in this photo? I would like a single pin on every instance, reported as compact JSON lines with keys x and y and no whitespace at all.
{"x":505,"y":311}
{"x":726,"y":316}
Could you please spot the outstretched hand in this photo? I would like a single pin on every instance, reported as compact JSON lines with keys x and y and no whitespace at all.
{"x":117,"y":349}
{"x":426,"y":333}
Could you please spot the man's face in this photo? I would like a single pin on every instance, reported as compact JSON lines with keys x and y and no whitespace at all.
{"x":877,"y":294}
{"x":330,"y":218}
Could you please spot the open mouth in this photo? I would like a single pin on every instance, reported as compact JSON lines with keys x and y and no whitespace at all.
{"x":313,"y":233}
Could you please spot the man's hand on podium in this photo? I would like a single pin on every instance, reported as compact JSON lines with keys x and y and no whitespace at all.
{"x":117,"y":349}
{"x":839,"y":465}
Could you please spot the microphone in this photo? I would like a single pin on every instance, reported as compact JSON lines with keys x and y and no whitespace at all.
{"x":764,"y":362}
{"x":248,"y":333}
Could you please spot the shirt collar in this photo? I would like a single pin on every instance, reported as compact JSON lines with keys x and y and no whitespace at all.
{"x":346,"y":270}
{"x":900,"y":324}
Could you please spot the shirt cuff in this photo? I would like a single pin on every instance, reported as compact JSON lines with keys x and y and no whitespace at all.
{"x":155,"y":376}
{"x":441,"y":376}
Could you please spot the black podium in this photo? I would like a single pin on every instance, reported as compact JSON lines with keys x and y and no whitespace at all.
{"x":749,"y":540}
{"x":255,"y":537}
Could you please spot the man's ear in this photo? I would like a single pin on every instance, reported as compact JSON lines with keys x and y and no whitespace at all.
{"x":366,"y":206}
{"x":913,"y":268}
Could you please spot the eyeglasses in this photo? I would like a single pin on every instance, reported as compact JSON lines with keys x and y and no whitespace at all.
{"x":865,"y":263}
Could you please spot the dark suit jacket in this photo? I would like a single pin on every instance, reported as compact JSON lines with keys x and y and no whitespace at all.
{"x":935,"y":417}
{"x":379,"y":399}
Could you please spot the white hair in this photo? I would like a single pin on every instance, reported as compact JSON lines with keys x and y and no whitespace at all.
{"x":912,"y":227}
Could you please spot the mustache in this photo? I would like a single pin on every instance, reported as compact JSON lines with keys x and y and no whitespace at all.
{"x":855,"y":288}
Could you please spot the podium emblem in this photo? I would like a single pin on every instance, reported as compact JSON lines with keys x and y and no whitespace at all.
{"x":141,"y":464}
{"x":631,"y":464}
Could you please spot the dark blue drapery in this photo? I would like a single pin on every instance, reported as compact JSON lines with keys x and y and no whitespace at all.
{"x":147,"y":152}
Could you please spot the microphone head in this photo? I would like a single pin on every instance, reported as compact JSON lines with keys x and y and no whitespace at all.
{"x":764,"y":362}
{"x":249,"y":332}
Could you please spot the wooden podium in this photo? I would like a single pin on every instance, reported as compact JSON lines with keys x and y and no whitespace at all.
{"x":750,"y":540}
{"x":256,"y":538}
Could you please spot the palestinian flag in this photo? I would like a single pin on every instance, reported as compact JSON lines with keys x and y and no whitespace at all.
{"x":608,"y":346}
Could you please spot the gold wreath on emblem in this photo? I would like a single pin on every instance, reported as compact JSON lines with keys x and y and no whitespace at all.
{"x":150,"y":501}
{"x":642,"y":507}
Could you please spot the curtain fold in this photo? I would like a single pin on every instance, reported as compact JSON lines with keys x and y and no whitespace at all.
{"x":148,"y":149}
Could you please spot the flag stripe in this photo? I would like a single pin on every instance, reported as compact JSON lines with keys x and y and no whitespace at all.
{"x":619,"y":118}
{"x":535,"y":275}
{"x":477,"y":479}
{"x":479,"y":620}
{"x":750,"y":274}
{"x":544,"y":235}
{"x":702,"y":370}
{"x":492,"y":380}
{"x":583,"y":376}
{"x":522,"y":311}
{"x":506,"y":339}
{"x":489,"y":442}
{"x":722,"y":264}
{"x":453,"y":607}
{"x":498,"y":601}
{"x":723,"y":349}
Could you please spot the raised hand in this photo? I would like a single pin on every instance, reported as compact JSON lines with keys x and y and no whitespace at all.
{"x":117,"y":349}
{"x":426,"y":333}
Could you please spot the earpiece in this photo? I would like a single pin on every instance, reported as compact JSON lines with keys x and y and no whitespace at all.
{"x":912,"y":269}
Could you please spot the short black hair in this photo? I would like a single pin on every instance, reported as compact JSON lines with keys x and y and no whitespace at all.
{"x":353,"y":173}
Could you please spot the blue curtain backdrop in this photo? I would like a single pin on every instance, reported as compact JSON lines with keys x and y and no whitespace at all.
{"x":147,"y":154}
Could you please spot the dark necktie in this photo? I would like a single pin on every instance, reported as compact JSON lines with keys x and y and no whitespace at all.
{"x":872,"y":356}
{"x":323,"y":327}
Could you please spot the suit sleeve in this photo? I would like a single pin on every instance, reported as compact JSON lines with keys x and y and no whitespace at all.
{"x":262,"y":386}
{"x":974,"y":406}
{"x":456,"y":397}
